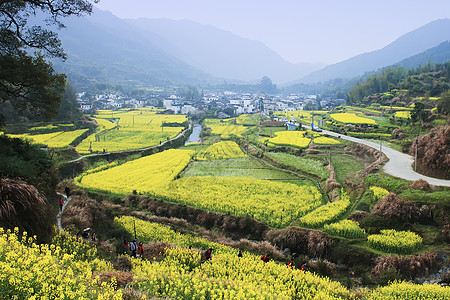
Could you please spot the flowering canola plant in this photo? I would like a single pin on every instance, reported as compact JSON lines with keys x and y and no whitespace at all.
{"x":149,"y":231}
{"x":327,"y":213}
{"x":404,"y":290}
{"x":276,"y":203}
{"x":323,"y":140}
{"x":403,"y":114}
{"x":31,"y":271}
{"x":59,"y":139}
{"x":226,"y":130}
{"x":345,"y":228}
{"x":181,"y":275}
{"x":290,"y":138}
{"x":351,"y":118}
{"x":143,"y":175}
{"x":221,"y":150}
{"x":378,"y":192}
{"x":392,"y":241}
{"x":137,"y":129}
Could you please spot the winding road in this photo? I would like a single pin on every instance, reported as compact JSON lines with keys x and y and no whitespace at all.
{"x":399,"y":164}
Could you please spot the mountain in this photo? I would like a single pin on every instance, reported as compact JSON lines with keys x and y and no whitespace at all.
{"x":104,"y":48}
{"x":410,"y":44}
{"x":223,"y":53}
{"x":439,"y":54}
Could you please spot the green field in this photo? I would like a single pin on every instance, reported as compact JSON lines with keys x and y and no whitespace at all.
{"x":236,"y":168}
{"x":345,"y":165}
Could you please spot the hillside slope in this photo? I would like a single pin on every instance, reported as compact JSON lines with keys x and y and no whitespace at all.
{"x":412,"y":43}
{"x":103,"y":48}
{"x":223,"y":53}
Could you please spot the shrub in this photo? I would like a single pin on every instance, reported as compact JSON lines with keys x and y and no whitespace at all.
{"x":312,"y":243}
{"x":403,"y":211}
{"x":421,"y":185}
{"x":22,"y":206}
{"x":406,"y":266}
{"x":433,"y":153}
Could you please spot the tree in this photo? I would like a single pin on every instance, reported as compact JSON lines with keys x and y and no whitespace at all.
{"x":443,"y":105}
{"x":419,"y":113}
{"x":28,"y":82}
{"x":267,"y":86}
{"x":68,"y":110}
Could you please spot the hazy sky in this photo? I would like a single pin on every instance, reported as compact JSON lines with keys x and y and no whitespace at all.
{"x":299,"y":30}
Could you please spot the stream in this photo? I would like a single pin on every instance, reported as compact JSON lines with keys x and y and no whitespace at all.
{"x":195,"y":135}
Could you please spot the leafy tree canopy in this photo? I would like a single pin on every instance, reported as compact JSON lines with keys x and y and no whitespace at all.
{"x":28,"y":82}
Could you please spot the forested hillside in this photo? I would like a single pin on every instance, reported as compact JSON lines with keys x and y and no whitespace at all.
{"x":397,"y":85}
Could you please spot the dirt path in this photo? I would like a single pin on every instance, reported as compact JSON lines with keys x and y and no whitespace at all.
{"x":58,"y":217}
{"x":399,"y":164}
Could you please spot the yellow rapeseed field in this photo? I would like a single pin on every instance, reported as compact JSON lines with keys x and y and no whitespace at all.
{"x":58,"y":139}
{"x":137,"y":129}
{"x":349,"y":118}
{"x":290,"y":138}
{"x":143,"y":175}
{"x":221,"y":150}
{"x":276,"y":203}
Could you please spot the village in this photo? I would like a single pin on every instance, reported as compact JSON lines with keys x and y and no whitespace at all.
{"x":225,"y":103}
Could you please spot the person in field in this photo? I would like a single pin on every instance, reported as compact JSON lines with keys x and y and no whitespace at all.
{"x":140,"y":250}
{"x":133,"y":248}
{"x":208,"y":254}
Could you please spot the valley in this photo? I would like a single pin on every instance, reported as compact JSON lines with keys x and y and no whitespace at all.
{"x":164,"y":150}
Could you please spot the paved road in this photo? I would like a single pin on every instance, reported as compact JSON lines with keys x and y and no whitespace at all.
{"x":399,"y":164}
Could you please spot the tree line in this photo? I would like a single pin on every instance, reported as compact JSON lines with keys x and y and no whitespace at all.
{"x":429,"y":80}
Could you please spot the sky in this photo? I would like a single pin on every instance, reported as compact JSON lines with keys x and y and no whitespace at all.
{"x":327,"y":31}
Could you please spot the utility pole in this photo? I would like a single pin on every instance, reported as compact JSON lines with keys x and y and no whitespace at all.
{"x":330,"y":154}
{"x":247,"y":143}
{"x":415,"y":156}
{"x":381,"y":153}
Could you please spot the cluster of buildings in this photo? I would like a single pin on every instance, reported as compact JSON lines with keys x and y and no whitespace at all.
{"x":227,"y":103}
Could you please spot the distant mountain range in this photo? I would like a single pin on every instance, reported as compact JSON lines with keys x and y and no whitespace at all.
{"x":223,"y":53}
{"x":439,"y":54}
{"x":162,"y":52}
{"x":410,"y":44}
{"x":103,"y":48}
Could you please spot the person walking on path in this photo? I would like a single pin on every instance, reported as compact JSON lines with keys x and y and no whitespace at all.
{"x":61,"y":203}
{"x":124,"y":247}
{"x":140,"y":250}
{"x":133,"y":248}
{"x":67,"y":191}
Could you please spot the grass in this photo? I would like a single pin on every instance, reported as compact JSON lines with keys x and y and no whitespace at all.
{"x":270,"y":130}
{"x":236,"y":168}
{"x":310,"y":166}
{"x":436,"y":197}
{"x":345,"y":165}
{"x":392,"y":184}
